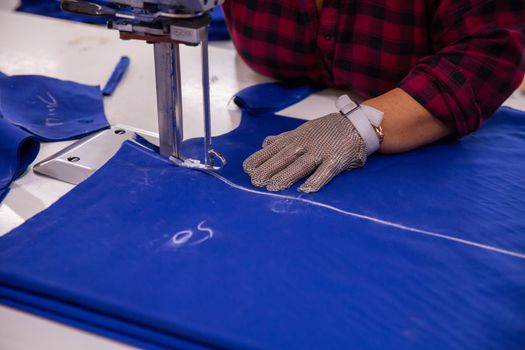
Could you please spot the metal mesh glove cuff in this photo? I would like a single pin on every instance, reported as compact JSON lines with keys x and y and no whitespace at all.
{"x":321,"y":148}
{"x":364,"y":118}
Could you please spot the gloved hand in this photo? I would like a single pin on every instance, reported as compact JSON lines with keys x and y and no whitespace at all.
{"x":324,"y":147}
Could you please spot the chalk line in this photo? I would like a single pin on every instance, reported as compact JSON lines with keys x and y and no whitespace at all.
{"x":370,"y":218}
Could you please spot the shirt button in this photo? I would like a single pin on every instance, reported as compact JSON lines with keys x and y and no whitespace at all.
{"x":328,"y":37}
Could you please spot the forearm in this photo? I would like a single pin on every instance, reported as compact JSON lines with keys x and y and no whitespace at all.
{"x":407,"y":124}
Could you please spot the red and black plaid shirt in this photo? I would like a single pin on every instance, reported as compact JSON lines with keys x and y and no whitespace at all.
{"x":459,"y":58}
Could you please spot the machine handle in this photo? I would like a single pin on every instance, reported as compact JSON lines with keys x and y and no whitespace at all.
{"x":86,"y":8}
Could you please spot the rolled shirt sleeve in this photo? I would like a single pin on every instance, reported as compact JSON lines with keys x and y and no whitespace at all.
{"x":478,"y":61}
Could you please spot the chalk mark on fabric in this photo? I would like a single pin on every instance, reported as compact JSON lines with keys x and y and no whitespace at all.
{"x":53,"y":122}
{"x":51,"y":104}
{"x":204,"y":229}
{"x":371,"y":219}
{"x":182,"y":237}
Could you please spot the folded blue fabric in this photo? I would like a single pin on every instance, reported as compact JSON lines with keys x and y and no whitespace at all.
{"x":52,"y":109}
{"x":422,"y":250}
{"x":18,"y":149}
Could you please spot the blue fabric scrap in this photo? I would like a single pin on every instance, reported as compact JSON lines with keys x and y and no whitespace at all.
{"x":52,"y":109}
{"x":421,"y":250}
{"x":18,"y":149}
{"x":116,"y":76}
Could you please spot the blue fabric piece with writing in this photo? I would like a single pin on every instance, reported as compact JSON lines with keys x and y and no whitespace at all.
{"x":422,"y":250}
{"x":18,"y":149}
{"x":51,"y":109}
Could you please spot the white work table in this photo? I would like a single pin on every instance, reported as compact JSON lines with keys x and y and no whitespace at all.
{"x":87,"y":54}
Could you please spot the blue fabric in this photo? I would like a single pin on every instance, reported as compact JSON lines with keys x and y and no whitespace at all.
{"x":18,"y":149}
{"x":270,"y":97}
{"x":51,"y":8}
{"x":52,"y":109}
{"x":116,"y":76}
{"x":87,"y":320}
{"x":218,"y":29}
{"x":423,"y":250}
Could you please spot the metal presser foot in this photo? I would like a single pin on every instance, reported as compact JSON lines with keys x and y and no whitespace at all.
{"x":166,"y":24}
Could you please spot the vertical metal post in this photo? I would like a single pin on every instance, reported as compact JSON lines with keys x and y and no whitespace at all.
{"x":206,"y":97}
{"x":169,"y":98}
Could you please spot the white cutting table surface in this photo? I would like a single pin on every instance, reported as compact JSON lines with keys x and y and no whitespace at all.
{"x":87,"y":54}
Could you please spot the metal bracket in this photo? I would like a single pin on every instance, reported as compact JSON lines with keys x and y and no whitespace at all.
{"x":81,"y":159}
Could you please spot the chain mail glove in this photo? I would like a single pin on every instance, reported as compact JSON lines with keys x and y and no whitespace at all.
{"x":324,"y":147}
